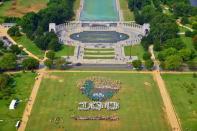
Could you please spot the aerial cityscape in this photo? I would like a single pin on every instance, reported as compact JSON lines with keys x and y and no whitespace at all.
{"x":98,"y":65}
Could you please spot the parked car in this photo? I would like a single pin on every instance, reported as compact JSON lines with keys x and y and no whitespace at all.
{"x":78,"y":64}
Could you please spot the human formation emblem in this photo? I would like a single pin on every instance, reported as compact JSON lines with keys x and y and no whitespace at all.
{"x":99,"y":90}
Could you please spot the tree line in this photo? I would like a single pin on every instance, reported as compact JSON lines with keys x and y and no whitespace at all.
{"x":35,"y":25}
{"x":164,"y":30}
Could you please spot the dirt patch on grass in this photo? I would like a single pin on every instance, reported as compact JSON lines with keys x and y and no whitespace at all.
{"x":18,"y":10}
{"x":109,"y":125}
{"x":148,"y":86}
{"x":53,"y":77}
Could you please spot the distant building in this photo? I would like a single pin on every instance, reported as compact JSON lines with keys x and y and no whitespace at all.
{"x":6,"y":41}
{"x":8,"y":25}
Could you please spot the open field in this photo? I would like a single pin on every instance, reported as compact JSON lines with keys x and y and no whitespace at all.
{"x":65,"y":51}
{"x":99,"y":53}
{"x":183,"y":91}
{"x":24,"y":84}
{"x":136,"y":50}
{"x":102,"y":53}
{"x":98,"y":57}
{"x":140,"y":104}
{"x":21,"y":7}
{"x":29,"y":45}
{"x":99,"y":49}
{"x":127,"y":14}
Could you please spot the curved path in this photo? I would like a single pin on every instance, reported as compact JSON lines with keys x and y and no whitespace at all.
{"x":181,"y":25}
{"x":3,"y":32}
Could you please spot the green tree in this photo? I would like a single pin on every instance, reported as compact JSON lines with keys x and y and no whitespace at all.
{"x":14,"y":31}
{"x":8,"y":61}
{"x":60,"y":63}
{"x":54,"y":45}
{"x":4,"y":80}
{"x":146,"y":55}
{"x":50,"y":55}
{"x":185,"y":20}
{"x":194,"y":25}
{"x":15,"y":49}
{"x":148,"y":13}
{"x":166,"y":53}
{"x":176,"y":43}
{"x":1,"y":44}
{"x":30,"y":63}
{"x":190,"y":34}
{"x":149,"y":64}
{"x":182,"y":9}
{"x":186,"y":54}
{"x":48,"y":63}
{"x":163,"y":27}
{"x":138,"y":4}
{"x":6,"y":89}
{"x":137,"y":64}
{"x":195,"y":41}
{"x":173,"y":62}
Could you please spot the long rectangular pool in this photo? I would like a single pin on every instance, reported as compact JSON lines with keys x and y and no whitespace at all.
{"x":99,"y":10}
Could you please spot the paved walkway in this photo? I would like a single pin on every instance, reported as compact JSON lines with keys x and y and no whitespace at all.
{"x":169,"y":109}
{"x":3,"y":32}
{"x":181,"y":25}
{"x":30,"y":103}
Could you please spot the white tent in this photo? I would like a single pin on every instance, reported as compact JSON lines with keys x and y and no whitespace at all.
{"x":12,"y":105}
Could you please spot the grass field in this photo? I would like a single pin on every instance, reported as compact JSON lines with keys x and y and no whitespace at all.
{"x":20,"y":7}
{"x":99,"y":49}
{"x":141,"y":107}
{"x":99,"y":53}
{"x":76,"y":5}
{"x":127,"y":14}
{"x":183,"y":91}
{"x":66,"y":51}
{"x":136,"y":50}
{"x":98,"y":57}
{"x":24,"y":84}
{"x":29,"y":45}
{"x":102,"y":53}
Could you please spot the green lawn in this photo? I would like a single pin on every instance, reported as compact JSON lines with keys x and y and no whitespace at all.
{"x":21,"y":7}
{"x":99,"y":49}
{"x":136,"y":50}
{"x":3,"y":8}
{"x":24,"y":84}
{"x":29,"y":45}
{"x":66,"y":51}
{"x":140,"y":104}
{"x":181,"y":87}
{"x":127,"y":14}
{"x":98,"y":57}
{"x":99,"y":53}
